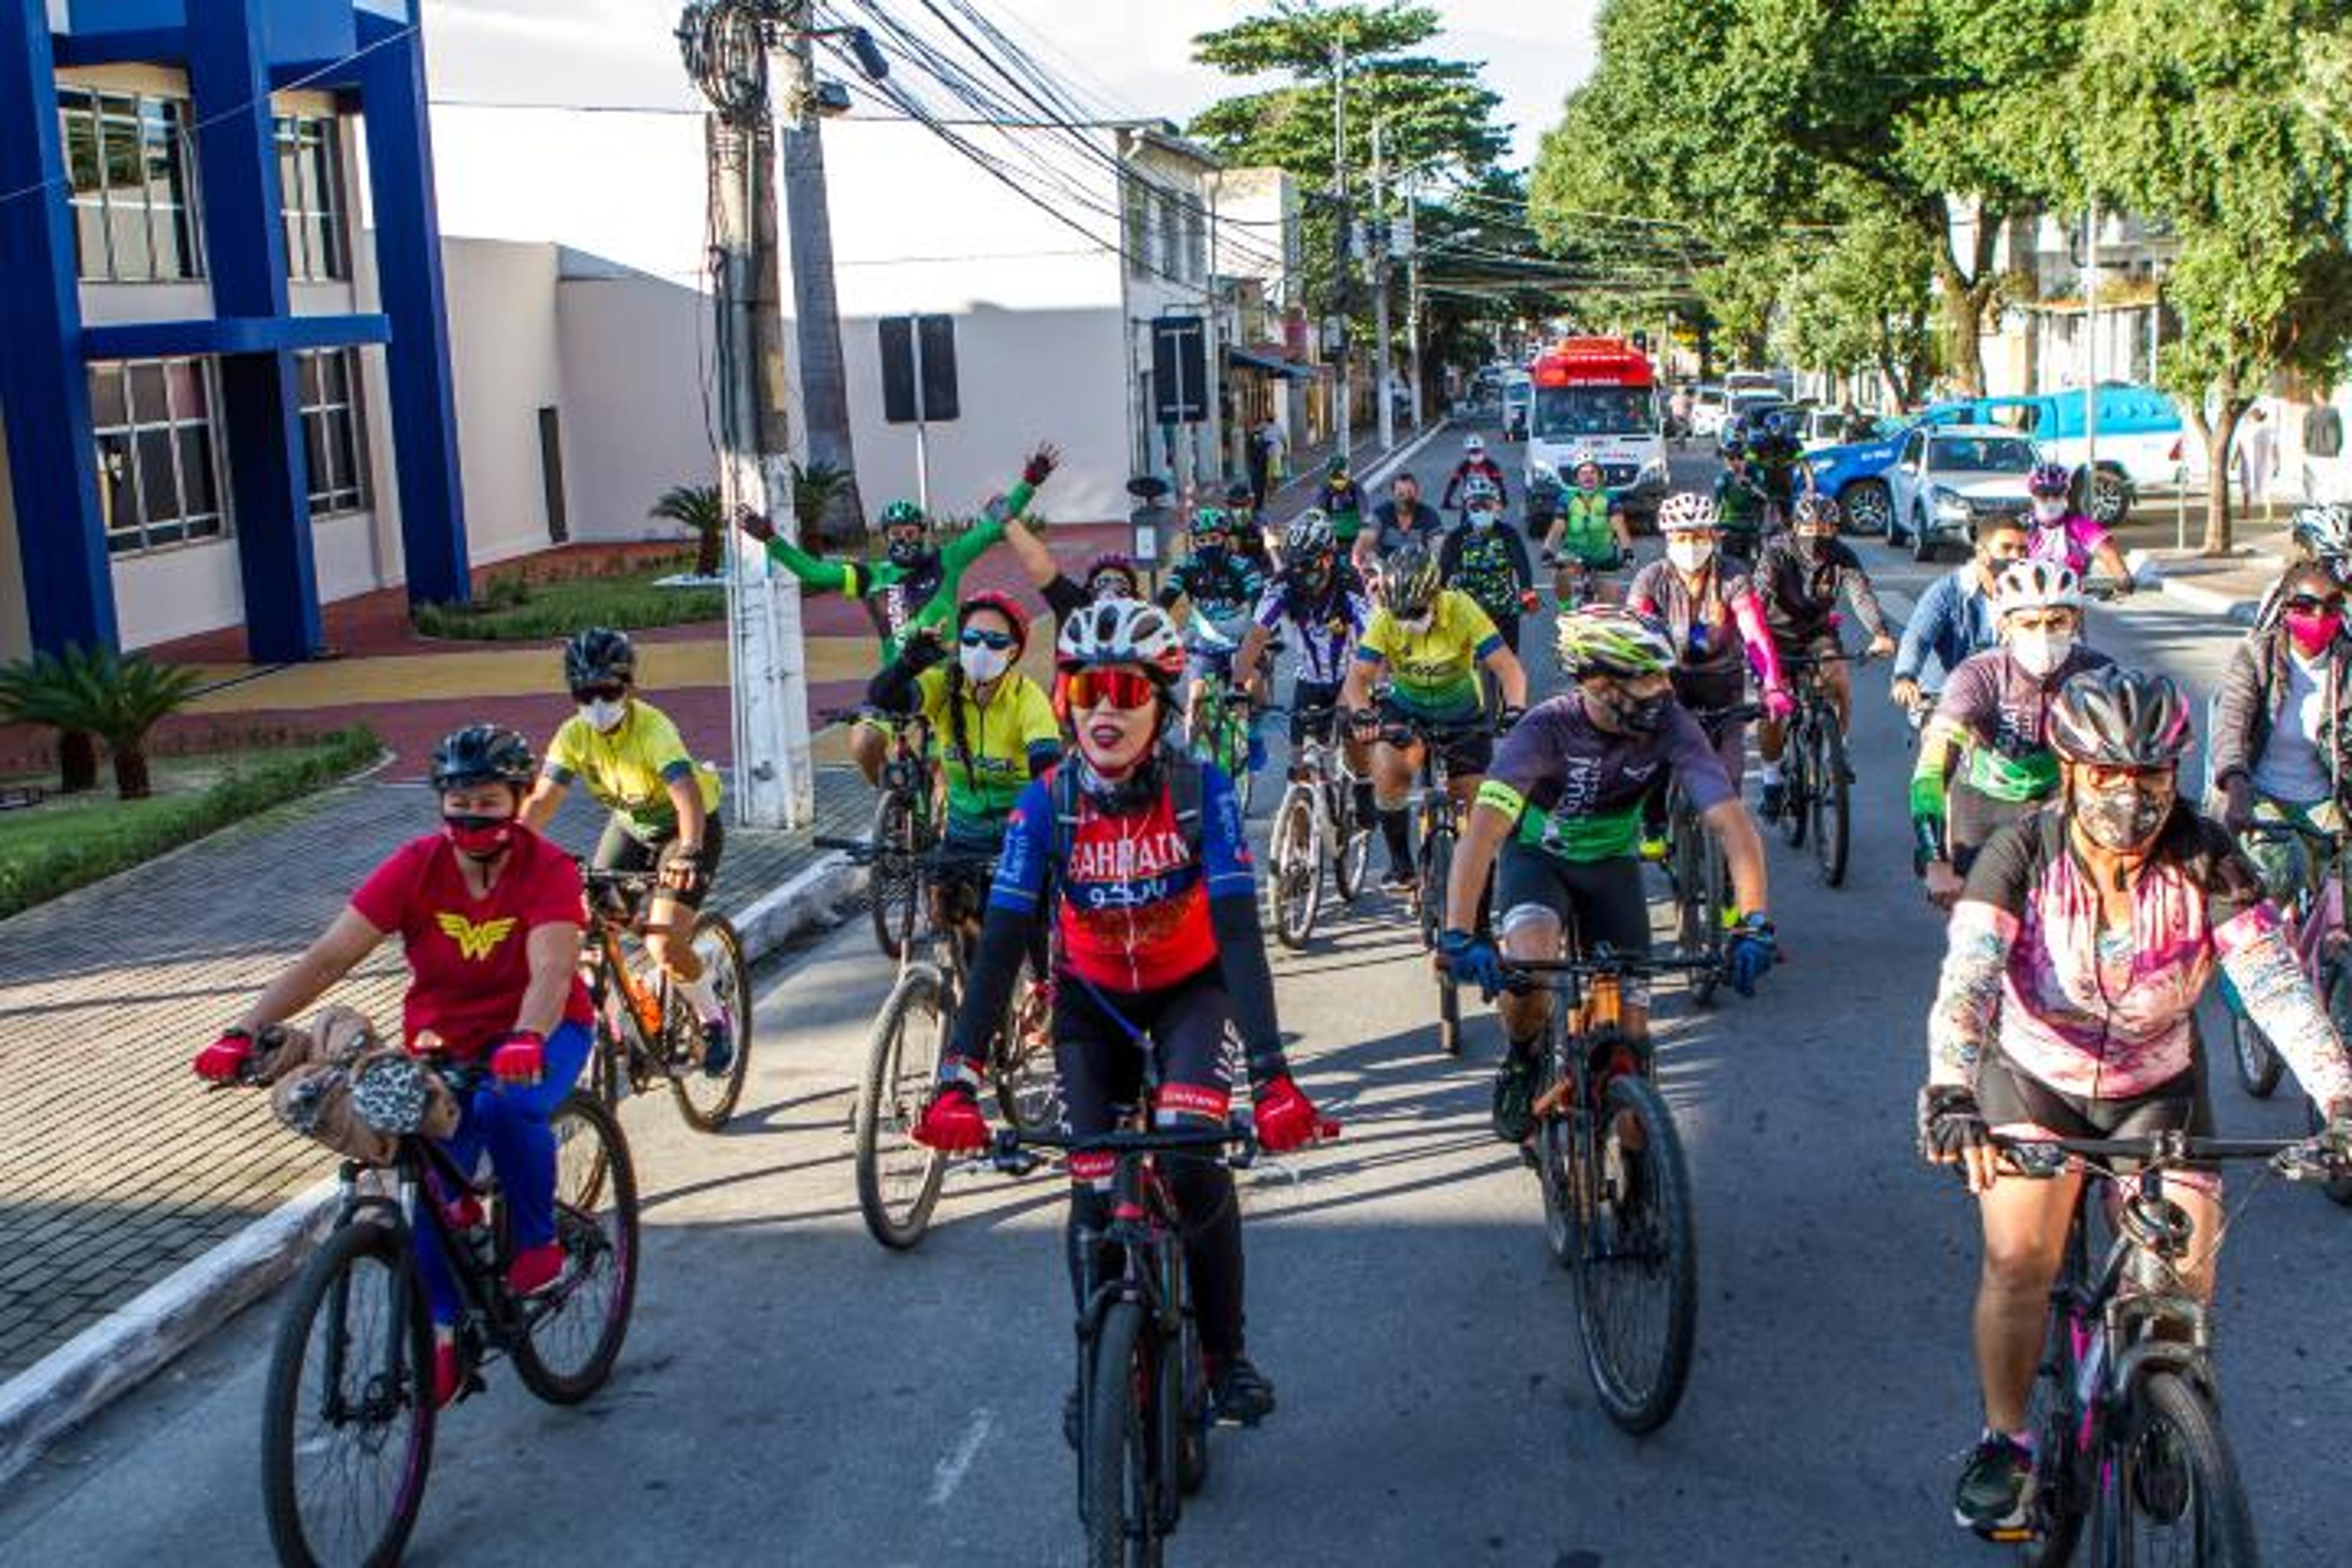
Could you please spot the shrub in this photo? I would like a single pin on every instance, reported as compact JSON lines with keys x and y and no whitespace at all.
{"x":118,"y":698}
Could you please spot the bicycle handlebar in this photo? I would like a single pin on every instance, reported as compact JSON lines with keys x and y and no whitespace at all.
{"x":2297,"y":1159}
{"x":1604,"y":963}
{"x":1014,"y":1151}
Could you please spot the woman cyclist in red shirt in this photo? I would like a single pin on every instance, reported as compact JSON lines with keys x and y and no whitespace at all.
{"x":1151,"y":882}
{"x":489,"y":915}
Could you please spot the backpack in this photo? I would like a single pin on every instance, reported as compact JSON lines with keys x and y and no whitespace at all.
{"x":1182,"y":772}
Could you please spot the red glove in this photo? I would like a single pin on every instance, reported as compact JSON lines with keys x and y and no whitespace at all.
{"x":1778,"y":702}
{"x":521,"y":1058}
{"x":1528,"y":599}
{"x":1287,"y":1119}
{"x":221,"y":1061}
{"x":952,"y":1123}
{"x":1041,"y":465}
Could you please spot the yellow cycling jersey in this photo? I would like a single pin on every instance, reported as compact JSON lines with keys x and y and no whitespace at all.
{"x":987,"y":769}
{"x":628,"y":768}
{"x":1434,"y":673}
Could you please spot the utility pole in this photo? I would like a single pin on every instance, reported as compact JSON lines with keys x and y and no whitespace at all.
{"x":2091,"y":354}
{"x":824,"y":377}
{"x":1343,"y":423}
{"x":1377,"y":227}
{"x":1413,"y":315}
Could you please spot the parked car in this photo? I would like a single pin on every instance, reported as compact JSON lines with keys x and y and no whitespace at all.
{"x":1708,"y":410}
{"x":1948,"y":478}
{"x":1746,"y":414}
{"x":1823,"y":427}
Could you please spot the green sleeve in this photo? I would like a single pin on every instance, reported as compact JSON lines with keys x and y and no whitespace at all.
{"x":812,"y":570}
{"x":972,"y":545}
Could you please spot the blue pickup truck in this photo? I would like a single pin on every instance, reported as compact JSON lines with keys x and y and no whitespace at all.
{"x":2140,"y":443}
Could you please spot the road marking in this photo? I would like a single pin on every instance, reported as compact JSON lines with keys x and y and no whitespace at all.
{"x":949,"y":1472}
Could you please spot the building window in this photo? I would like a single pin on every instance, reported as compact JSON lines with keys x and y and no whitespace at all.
{"x":158,"y":453}
{"x":127,"y":177}
{"x":333,"y":435}
{"x":310,"y":197}
{"x":1139,"y":226}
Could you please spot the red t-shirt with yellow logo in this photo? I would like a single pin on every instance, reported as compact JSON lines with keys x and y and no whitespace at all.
{"x":466,"y":960}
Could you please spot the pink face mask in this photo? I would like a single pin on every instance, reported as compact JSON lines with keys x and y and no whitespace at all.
{"x":2313,"y":633}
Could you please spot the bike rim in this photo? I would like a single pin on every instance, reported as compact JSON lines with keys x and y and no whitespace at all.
{"x":359,"y":1435}
{"x":570,"y":1326}
{"x":1030,"y":1091}
{"x":902,"y":1167}
{"x":707,"y":1097}
{"x":1632,"y":1280}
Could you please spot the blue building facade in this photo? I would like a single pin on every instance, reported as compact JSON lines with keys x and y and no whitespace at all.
{"x":154,"y":430}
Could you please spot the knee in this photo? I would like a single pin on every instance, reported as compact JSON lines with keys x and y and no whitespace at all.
{"x":2018,"y":1266}
{"x":1530,"y":932}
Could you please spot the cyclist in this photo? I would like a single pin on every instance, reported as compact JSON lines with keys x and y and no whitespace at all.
{"x":1136,"y":853}
{"x":1993,"y":723}
{"x":913,"y":584}
{"x":1954,"y":618}
{"x":1475,"y":464}
{"x":490,"y":916}
{"x":1342,"y":501}
{"x":1489,"y":562}
{"x":1799,"y":578}
{"x":1224,"y":589}
{"x":1563,"y":810}
{"x":1108,"y":575}
{"x":1718,"y":626}
{"x":1778,"y":455}
{"x":2323,"y":533}
{"x":2066,"y":537}
{"x":2283,"y":732}
{"x":1588,"y":534}
{"x":665,"y":813}
{"x":1253,"y":543}
{"x":1431,"y":641}
{"x":2067,"y":1005}
{"x":1739,"y":499}
{"x":1320,"y":599}
{"x":1404,"y":518}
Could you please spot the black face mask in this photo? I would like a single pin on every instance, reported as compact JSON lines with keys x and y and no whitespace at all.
{"x":910,"y":553}
{"x":1311,"y":580}
{"x":2124,"y":819}
{"x":1639,"y":715}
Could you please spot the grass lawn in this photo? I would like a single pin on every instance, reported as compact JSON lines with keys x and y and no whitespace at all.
{"x":67,"y":841}
{"x":510,"y":609}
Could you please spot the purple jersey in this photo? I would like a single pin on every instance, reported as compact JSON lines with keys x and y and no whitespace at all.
{"x":1575,"y":790}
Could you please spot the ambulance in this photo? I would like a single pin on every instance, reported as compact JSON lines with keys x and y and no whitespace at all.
{"x":1598,"y":398}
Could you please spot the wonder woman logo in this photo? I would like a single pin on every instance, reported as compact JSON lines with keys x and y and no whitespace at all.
{"x":474,"y":942}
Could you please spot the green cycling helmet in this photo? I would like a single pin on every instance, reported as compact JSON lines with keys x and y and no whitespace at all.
{"x":1606,"y":639}
{"x":1211,"y":519}
{"x":904,"y":514}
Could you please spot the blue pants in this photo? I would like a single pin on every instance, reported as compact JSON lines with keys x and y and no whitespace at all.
{"x":509,"y":1120}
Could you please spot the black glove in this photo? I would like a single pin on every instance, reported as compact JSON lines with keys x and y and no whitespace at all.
{"x":1511,"y":713}
{"x":1950,"y":1122}
{"x":2237,"y":802}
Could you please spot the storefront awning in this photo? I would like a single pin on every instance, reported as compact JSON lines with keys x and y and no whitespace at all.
{"x":1251,"y":360}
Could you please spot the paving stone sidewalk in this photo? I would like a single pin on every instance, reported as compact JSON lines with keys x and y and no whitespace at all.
{"x":115,"y":1167}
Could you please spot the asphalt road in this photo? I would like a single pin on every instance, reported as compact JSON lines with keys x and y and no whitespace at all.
{"x":791,"y":1393}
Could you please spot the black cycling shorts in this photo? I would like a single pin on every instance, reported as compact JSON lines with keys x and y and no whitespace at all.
{"x":622,"y":850}
{"x":2022,"y":1105}
{"x":1469,"y":755}
{"x":1599,"y":901}
{"x":1306,"y":698}
{"x":1101,"y":1063}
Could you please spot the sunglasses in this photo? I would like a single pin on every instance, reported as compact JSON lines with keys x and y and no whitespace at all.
{"x":2309,"y":604}
{"x":980,"y":636}
{"x":1116,"y":688}
{"x":612,"y":693}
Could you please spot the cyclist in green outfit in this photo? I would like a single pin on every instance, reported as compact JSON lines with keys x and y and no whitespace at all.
{"x":1588,"y":535}
{"x":913,"y":585}
{"x":1739,"y":499}
{"x":1342,"y":501}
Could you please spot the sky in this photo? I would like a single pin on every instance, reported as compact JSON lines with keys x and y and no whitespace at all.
{"x":1134,"y":55}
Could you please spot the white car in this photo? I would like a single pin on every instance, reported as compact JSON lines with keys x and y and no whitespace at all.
{"x":1708,"y":407}
{"x":1948,"y":478}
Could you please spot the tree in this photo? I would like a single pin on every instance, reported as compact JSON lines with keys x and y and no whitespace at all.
{"x":2227,"y":124}
{"x":697,"y":509}
{"x":1858,"y":299}
{"x":118,"y":698}
{"x":32,"y":691}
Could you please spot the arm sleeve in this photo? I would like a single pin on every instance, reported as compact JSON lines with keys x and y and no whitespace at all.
{"x":1866,"y":607}
{"x":976,"y":541}
{"x":1063,"y":596}
{"x":1966,"y":1015}
{"x":1921,"y":632}
{"x":1762,"y":651}
{"x":2262,"y":965}
{"x":2234,"y":706}
{"x":1231,"y":883}
{"x":1522,"y":567}
{"x":812,"y":570}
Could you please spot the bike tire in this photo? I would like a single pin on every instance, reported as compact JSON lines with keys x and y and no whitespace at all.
{"x":1558,"y":1157}
{"x":1832,"y":801}
{"x":2259,"y":1066}
{"x":1714,"y":883}
{"x":328,"y":1285}
{"x":1117,"y":1487}
{"x":2194,"y":1470}
{"x":1295,"y":845}
{"x":601,"y":1252}
{"x":1028,"y":1089}
{"x":1438,"y":858}
{"x":1637,"y":1272}
{"x":895,"y":889}
{"x":1796,"y":786}
{"x":604,"y":1086}
{"x":2064,"y":1484}
{"x":893,"y":1091}
{"x":705,"y":1102}
{"x":1191,"y":1386}
{"x":1351,"y":860}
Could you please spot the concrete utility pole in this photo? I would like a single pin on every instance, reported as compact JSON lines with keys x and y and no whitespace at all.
{"x":1343,"y":421}
{"x":1384,"y":353}
{"x":823,"y":372}
{"x":1412,"y":316}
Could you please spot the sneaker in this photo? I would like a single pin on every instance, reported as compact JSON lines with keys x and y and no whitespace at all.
{"x":448,"y":1374}
{"x":1514,"y":1098}
{"x":535,"y":1268}
{"x":1994,"y":1486}
{"x":1239,"y":1395}
{"x":1776,"y":800}
{"x":1399,"y":878}
{"x":718,"y":1045}
{"x":1654,"y":849}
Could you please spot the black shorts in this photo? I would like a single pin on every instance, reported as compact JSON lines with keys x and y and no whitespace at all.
{"x":1818,"y":645}
{"x":2022,"y":1105}
{"x":622,"y":850}
{"x":1971,"y":816}
{"x":1601,"y":902}
{"x":1101,"y":1066}
{"x":1306,"y":698}
{"x":1466,"y":756}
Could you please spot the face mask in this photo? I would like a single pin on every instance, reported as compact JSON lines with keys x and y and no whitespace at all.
{"x":2049,"y":510}
{"x":2312,"y":633}
{"x":1414,"y":625}
{"x":1482,"y":520}
{"x":1690,"y":554}
{"x":983,"y":665}
{"x":478,"y":837}
{"x":1639,"y":715}
{"x":1211,"y":553}
{"x":1310,"y":579}
{"x":1811,"y":545}
{"x":2041,"y":653}
{"x":604,"y":717}
{"x":908,"y":553}
{"x":2123,"y":818}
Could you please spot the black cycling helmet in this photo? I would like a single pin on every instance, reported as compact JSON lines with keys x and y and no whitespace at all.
{"x":2117,"y":717}
{"x":1239,"y":496}
{"x":599,"y":657}
{"x":1413,"y":581}
{"x":480,"y":755}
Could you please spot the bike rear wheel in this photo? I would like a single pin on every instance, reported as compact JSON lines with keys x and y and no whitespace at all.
{"x":1829,"y":799}
{"x":1701,"y":879}
{"x":1436,"y":871}
{"x":1297,"y":853}
{"x":1637,"y":1271}
{"x":1028,"y":1090}
{"x":348,"y":1418}
{"x":1352,"y":856}
{"x":706,"y":1103}
{"x":2173,"y":1495}
{"x":1796,"y":786}
{"x":895,"y":890}
{"x":2064,"y":1481}
{"x":577,"y":1326}
{"x":898,"y":1178}
{"x":1119,"y":1505}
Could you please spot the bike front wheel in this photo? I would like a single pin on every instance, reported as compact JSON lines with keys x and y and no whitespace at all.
{"x":1828,"y":800}
{"x":1796,"y":788}
{"x":898,"y":1178}
{"x":1297,"y":853}
{"x":705,"y":1101}
{"x":348,"y":1417}
{"x":576,"y":1329}
{"x":1028,"y":1089}
{"x":1436,"y":872}
{"x":1637,"y":1270}
{"x":2174,"y":1494}
{"x":895,"y":890}
{"x":1119,"y":1492}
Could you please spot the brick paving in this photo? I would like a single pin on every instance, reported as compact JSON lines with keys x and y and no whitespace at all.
{"x":115,"y":1167}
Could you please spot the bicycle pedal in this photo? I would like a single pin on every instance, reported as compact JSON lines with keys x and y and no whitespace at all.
{"x":2012,"y":1535}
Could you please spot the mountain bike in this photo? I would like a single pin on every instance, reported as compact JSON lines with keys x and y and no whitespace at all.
{"x":1616,"y":1190}
{"x":347,"y":1418}
{"x":1143,"y":1391}
{"x":2315,"y":925}
{"x":899,"y":1180}
{"x":647,"y":1031}
{"x":1816,"y":777}
{"x":2128,"y":1435}
{"x":1696,"y":868}
{"x":1314,"y":824}
{"x":1220,"y":725}
{"x":1438,"y":819}
{"x":906,"y":824}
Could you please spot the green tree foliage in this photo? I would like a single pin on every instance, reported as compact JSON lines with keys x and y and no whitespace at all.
{"x":697,"y":509}
{"x":1857,"y":298}
{"x":119,"y":697}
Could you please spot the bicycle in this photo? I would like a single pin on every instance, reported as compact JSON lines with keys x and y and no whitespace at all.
{"x":1315,"y":823}
{"x":1616,"y":1188}
{"x":647,"y":1032}
{"x":2128,"y":1437}
{"x":1577,"y":582}
{"x":1697,"y":869}
{"x":906,"y":824}
{"x":899,"y":1180}
{"x":1438,"y":819}
{"x":1220,"y":729}
{"x":1143,"y":1391}
{"x":1816,"y":777}
{"x":2315,"y":922}
{"x":348,"y":1417}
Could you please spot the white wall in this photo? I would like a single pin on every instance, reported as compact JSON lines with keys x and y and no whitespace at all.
{"x":503,"y":352}
{"x":177,"y":592}
{"x":633,"y":348}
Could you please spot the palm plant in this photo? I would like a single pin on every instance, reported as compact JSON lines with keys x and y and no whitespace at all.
{"x":699,"y":511}
{"x":119,"y":697}
{"x":29,"y":694}
{"x":815,"y":486}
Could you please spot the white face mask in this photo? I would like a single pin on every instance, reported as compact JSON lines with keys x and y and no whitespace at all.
{"x":605,"y":716}
{"x":1415,"y":625}
{"x":983,"y":665}
{"x":2041,"y":652}
{"x":1482,"y":519}
{"x":1689,"y":553}
{"x":2048,"y":510}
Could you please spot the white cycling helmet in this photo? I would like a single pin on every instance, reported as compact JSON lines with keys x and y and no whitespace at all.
{"x":1122,"y":631}
{"x":1475,"y":446}
{"x":2036,"y":586}
{"x":2325,"y":531}
{"x":1687,"y":512}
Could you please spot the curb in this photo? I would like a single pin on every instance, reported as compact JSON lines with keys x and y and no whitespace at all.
{"x":2196,"y":597}
{"x":129,"y":1345}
